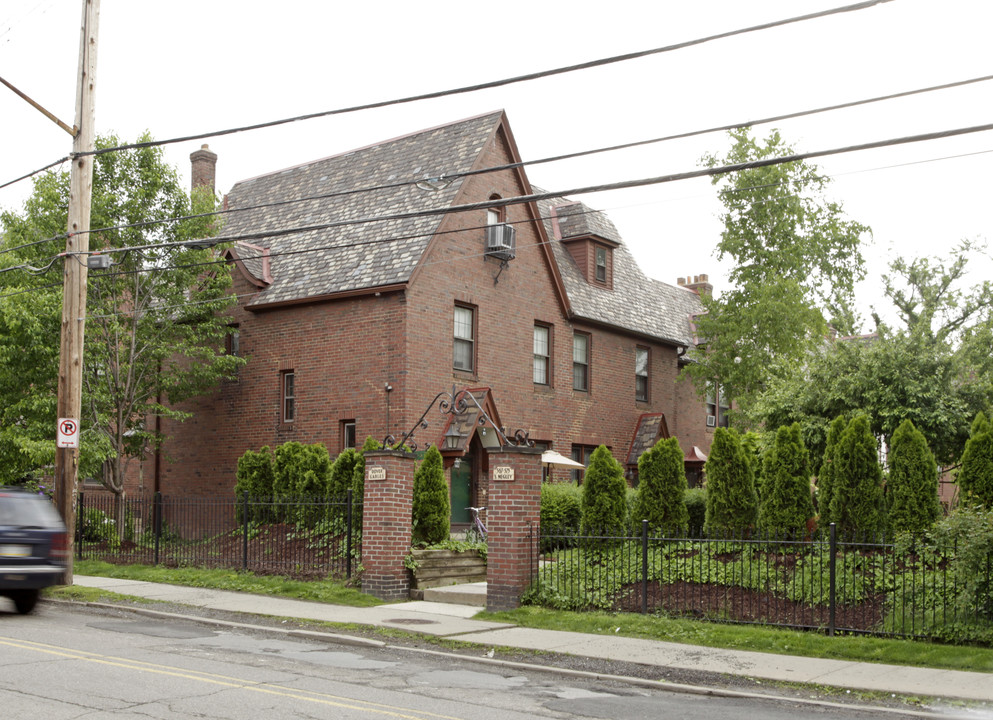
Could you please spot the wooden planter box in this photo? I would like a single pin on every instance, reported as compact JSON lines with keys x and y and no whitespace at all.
{"x":436,"y":568}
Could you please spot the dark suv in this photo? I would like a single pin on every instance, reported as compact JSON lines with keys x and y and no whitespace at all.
{"x":33,"y":546}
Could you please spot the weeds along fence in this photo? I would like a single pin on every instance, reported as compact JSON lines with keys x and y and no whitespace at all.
{"x":293,"y":536}
{"x":906,"y":588}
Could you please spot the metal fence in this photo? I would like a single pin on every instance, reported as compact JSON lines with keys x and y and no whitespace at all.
{"x":297,"y":537}
{"x":866,"y":586}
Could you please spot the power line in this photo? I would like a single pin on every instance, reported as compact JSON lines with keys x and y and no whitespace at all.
{"x":536,"y":197}
{"x":554,"y":158}
{"x":487,"y":85}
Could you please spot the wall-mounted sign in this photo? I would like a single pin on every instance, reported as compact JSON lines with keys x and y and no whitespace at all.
{"x":375,"y":473}
{"x":503,"y":473}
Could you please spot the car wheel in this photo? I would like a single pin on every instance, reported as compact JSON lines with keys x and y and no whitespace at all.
{"x":24,"y":600}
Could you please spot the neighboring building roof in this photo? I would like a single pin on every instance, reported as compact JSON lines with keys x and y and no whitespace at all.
{"x":636,"y":302}
{"x":651,"y":428}
{"x":322,"y":262}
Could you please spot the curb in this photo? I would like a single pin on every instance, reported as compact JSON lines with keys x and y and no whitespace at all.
{"x":350,"y":640}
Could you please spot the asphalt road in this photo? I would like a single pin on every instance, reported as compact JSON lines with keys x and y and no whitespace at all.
{"x":72,"y":661}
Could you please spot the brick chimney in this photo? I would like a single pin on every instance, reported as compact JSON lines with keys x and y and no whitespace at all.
{"x":203,"y":163}
{"x":699,"y":284}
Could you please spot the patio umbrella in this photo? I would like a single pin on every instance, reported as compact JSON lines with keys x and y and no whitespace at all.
{"x":551,"y":459}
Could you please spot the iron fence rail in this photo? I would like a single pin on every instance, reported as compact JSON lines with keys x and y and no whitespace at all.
{"x":298,"y":537}
{"x":823,"y":582}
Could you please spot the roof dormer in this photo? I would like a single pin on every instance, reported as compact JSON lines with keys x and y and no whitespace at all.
{"x":592,"y":252}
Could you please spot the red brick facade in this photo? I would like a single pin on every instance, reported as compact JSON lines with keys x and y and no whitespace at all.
{"x":346,"y":351}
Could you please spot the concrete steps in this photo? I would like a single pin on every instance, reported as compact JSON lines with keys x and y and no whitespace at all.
{"x":462,"y":594}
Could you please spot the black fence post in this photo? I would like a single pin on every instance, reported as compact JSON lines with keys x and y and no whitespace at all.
{"x":244,"y":530}
{"x":80,"y":526}
{"x":832,"y":562}
{"x":644,"y":567}
{"x":157,"y":521}
{"x":348,"y":535}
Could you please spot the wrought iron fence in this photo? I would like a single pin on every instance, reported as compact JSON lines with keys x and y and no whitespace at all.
{"x":298,"y":537}
{"x":909,"y":588}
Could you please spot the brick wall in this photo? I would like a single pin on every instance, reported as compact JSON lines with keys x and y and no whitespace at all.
{"x":512,"y":523}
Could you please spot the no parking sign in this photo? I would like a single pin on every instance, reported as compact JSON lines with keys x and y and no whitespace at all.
{"x":68,"y":433}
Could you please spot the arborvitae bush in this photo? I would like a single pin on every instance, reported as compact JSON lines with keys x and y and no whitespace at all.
{"x":342,"y":472}
{"x":975,"y":477}
{"x":912,"y":486}
{"x":561,"y":513}
{"x":431,"y":507}
{"x":751,"y":447}
{"x":825,"y":480}
{"x":786,"y":502}
{"x":696,"y":509}
{"x":661,"y":486}
{"x":255,"y":478}
{"x":604,"y":505}
{"x":857,"y":496}
{"x":293,"y":461}
{"x":732,"y":501}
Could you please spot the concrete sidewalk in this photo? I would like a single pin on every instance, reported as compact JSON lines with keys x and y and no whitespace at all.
{"x":455,"y":622}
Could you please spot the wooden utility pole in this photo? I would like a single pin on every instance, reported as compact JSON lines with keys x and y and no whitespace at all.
{"x":74,"y":278}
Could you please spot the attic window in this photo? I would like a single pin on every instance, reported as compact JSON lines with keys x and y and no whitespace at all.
{"x":601,"y":264}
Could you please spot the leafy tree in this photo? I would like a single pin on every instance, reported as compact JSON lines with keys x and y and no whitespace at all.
{"x":857,"y":497}
{"x":825,"y":478}
{"x":732,"y":502}
{"x":154,"y":330}
{"x":795,"y":258}
{"x":431,"y":507}
{"x":786,"y":503}
{"x":975,"y":477}
{"x":604,"y":505}
{"x":661,"y":486}
{"x":912,"y":485}
{"x":935,"y":370}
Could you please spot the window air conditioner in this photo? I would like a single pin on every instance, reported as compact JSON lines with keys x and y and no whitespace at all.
{"x":711,"y":420}
{"x":501,"y":241}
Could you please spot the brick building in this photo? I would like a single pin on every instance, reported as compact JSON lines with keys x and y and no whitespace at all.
{"x":366,"y":287}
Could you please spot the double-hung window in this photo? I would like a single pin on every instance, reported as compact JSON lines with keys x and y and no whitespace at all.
{"x":601,"y":264}
{"x":581,"y":362}
{"x":464,"y":346}
{"x":641,"y":374}
{"x":288,"y":396}
{"x":542,"y":355}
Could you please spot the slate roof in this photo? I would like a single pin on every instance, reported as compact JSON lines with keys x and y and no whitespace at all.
{"x":636,"y":302}
{"x":320,"y":262}
{"x":325,"y":261}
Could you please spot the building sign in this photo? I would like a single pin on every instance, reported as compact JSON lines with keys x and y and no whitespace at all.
{"x":375,"y":473}
{"x":503,"y":473}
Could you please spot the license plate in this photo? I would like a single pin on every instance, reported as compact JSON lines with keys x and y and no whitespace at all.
{"x":15,"y":550}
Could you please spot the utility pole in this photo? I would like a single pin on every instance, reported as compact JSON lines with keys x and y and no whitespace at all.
{"x":74,"y":280}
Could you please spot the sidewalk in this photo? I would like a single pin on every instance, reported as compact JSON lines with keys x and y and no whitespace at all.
{"x":455,"y":622}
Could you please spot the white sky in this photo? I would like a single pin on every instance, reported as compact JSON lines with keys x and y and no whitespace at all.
{"x":191,"y":66}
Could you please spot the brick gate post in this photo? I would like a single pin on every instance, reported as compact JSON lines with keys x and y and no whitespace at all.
{"x":386,"y":523}
{"x":512,"y":519}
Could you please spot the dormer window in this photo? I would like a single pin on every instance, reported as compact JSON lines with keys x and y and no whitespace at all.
{"x":601,"y":264}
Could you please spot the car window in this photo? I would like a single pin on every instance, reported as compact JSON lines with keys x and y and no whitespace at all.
{"x":21,"y":510}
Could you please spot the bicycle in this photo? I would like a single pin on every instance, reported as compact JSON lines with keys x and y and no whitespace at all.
{"x":476,"y":531}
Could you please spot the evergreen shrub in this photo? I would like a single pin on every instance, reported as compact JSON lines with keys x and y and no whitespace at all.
{"x":786,"y":499}
{"x":912,"y":485}
{"x":857,"y":495}
{"x":732,"y":502}
{"x":661,"y":486}
{"x":431,"y":511}
{"x":604,"y":506}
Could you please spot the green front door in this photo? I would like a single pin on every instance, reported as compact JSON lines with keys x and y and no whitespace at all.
{"x":462,"y":490}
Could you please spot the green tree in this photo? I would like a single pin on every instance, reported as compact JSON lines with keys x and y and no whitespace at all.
{"x":975,"y":477}
{"x":786,"y":502}
{"x":358,"y":480}
{"x":661,"y":487}
{"x":255,"y":479}
{"x":912,"y":485}
{"x":431,"y":507}
{"x":155,"y":327}
{"x":604,"y":504}
{"x":857,"y":497}
{"x":796,"y":259}
{"x":732,"y":502}
{"x":825,"y":478}
{"x":342,"y":475}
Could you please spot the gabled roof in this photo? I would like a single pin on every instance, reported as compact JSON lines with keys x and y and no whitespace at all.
{"x":636,"y":302}
{"x":322,"y":262}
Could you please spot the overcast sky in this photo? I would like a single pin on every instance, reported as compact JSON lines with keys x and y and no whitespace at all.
{"x":187,"y":67}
